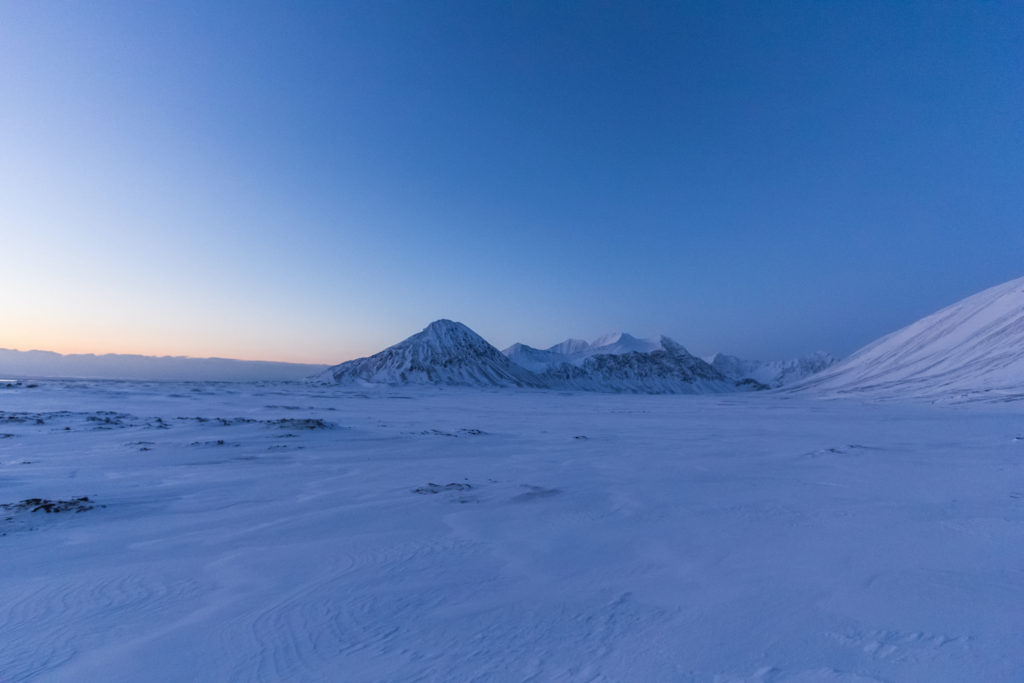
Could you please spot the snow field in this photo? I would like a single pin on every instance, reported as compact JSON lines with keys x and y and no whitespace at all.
{"x":307,"y":533}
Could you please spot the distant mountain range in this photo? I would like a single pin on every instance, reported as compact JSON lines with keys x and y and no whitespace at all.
{"x":971,"y":350}
{"x":132,"y":367}
{"x":666,"y":369}
{"x":576,"y":351}
{"x":449,"y":353}
{"x":772,"y":373}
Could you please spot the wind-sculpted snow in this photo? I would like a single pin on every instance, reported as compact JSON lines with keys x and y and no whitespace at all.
{"x":773,"y":374}
{"x":301,"y":532}
{"x":972,"y":350}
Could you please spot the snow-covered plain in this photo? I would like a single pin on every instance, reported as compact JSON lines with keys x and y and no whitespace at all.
{"x":299,"y":532}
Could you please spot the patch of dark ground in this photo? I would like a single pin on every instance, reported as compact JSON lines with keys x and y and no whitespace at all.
{"x":460,"y":488}
{"x":464,"y":432}
{"x":42,"y":504}
{"x":847,"y":450}
{"x":308,"y":423}
{"x":23,"y":418}
{"x":15,"y":514}
{"x":99,"y":420}
{"x":432,"y":488}
{"x":106,"y":419}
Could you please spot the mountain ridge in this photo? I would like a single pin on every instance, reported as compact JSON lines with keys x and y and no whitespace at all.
{"x":450,"y":353}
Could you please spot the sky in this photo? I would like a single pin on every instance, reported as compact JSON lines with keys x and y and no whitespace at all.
{"x":314,"y":181}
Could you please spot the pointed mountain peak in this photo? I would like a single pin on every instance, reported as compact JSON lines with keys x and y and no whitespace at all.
{"x":519,"y":348}
{"x":441,"y":333}
{"x":569,"y":347}
{"x":610,"y":338}
{"x":446,"y":326}
{"x":620,"y":342}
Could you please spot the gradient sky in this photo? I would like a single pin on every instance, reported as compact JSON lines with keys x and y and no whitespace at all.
{"x":314,"y":181}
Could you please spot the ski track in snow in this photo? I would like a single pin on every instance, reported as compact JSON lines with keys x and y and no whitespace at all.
{"x":475,"y":535}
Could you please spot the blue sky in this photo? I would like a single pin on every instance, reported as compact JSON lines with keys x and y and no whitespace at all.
{"x":313,"y":181}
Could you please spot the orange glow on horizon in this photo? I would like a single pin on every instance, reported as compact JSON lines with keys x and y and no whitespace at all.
{"x":111,"y":346}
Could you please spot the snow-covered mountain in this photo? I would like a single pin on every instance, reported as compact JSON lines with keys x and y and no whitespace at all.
{"x":576,"y":351}
{"x":445,"y":352}
{"x":450,"y":353}
{"x":772,"y":373}
{"x":973,"y":349}
{"x":570,"y":347}
{"x":667,"y":369}
{"x":615,"y":343}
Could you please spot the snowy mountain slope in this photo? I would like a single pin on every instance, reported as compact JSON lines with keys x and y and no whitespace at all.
{"x":619,"y":342}
{"x":775,"y":373}
{"x":445,"y":352}
{"x":972,"y":349}
{"x":569,"y":347}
